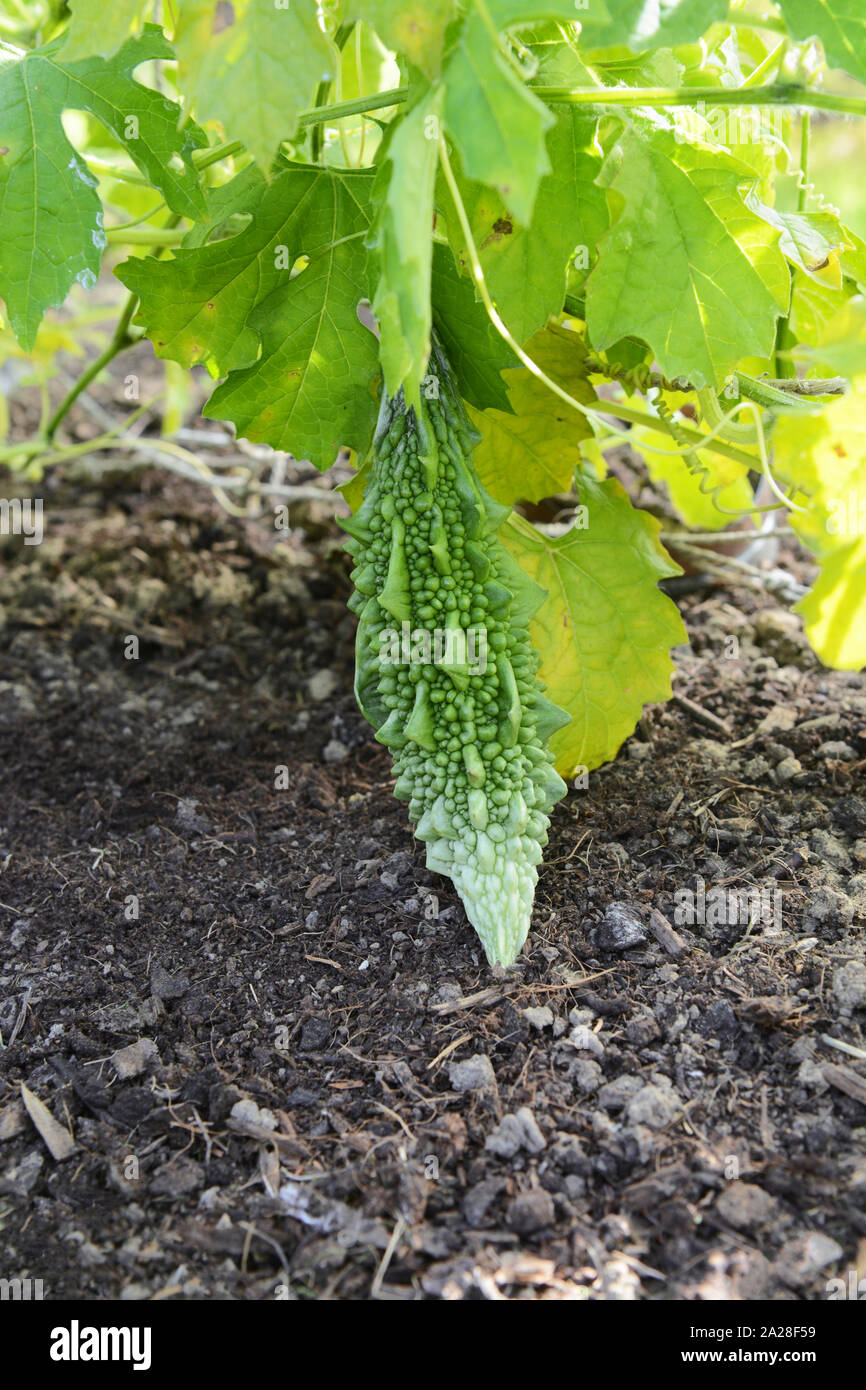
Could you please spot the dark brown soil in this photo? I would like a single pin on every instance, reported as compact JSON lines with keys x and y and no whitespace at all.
{"x":653,"y":1121}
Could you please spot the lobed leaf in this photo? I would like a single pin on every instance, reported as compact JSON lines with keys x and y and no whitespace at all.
{"x":255,"y":74}
{"x":299,"y":361}
{"x":52,"y":217}
{"x":604,"y":630}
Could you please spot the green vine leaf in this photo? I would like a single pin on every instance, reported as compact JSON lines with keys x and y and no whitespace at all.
{"x":497,"y":124}
{"x":839,"y":24}
{"x":475,"y":350}
{"x":810,"y":240}
{"x":604,"y":630}
{"x":641,"y":26}
{"x":52,"y":216}
{"x":525,"y":267}
{"x":671,"y":271}
{"x":276,"y":308}
{"x":535,"y":451}
{"x":402,"y":301}
{"x":97,"y":28}
{"x":256,"y":74}
{"x":507,"y":13}
{"x":414,"y":27}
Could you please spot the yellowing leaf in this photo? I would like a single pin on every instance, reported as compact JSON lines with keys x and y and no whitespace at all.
{"x":534,"y":452}
{"x":604,"y":630}
{"x":826,"y":456}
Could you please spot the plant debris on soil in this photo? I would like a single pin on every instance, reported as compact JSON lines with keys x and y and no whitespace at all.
{"x":251,"y":1047}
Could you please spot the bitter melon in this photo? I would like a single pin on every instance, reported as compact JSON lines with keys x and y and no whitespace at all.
{"x":445,"y":670}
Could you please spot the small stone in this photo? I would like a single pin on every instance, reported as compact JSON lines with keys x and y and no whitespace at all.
{"x":248,"y":1114}
{"x":620,"y":929}
{"x":812,"y":1075}
{"x":582,"y":1039}
{"x":478,"y":1199}
{"x":653,"y":1106}
{"x":780,"y":719}
{"x":802,"y":1259}
{"x":829,"y":908}
{"x":134,"y":1059}
{"x":531,"y":1212}
{"x":718,"y":1021}
{"x":642,"y":1030}
{"x":856,"y":892}
{"x":188,"y":818}
{"x":89,"y":1255}
{"x":745,"y":1206}
{"x":447,"y":993}
{"x":165,"y":986}
{"x":134,"y":1292}
{"x":850,"y":813}
{"x":539,"y":1018}
{"x":568,"y":1155}
{"x":708,"y":750}
{"x":781,"y":634}
{"x":837,"y":749}
{"x":335,"y":751}
{"x":787,"y":770}
{"x":756,"y":768}
{"x":516,"y":1132}
{"x":315,"y":1035}
{"x":776,"y":622}
{"x":322,"y":685}
{"x":26,"y":1173}
{"x":506,"y":1139}
{"x":829,"y":850}
{"x":474,"y":1074}
{"x":586,"y":1075}
{"x":849,"y":986}
{"x":616,"y":1094}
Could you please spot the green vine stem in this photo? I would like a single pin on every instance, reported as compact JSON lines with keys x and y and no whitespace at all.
{"x":120,"y":339}
{"x":317,"y":138}
{"x":777,"y":95}
{"x":144,"y":236}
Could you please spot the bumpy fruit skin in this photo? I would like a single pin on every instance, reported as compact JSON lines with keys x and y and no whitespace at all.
{"x":468,"y":734}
